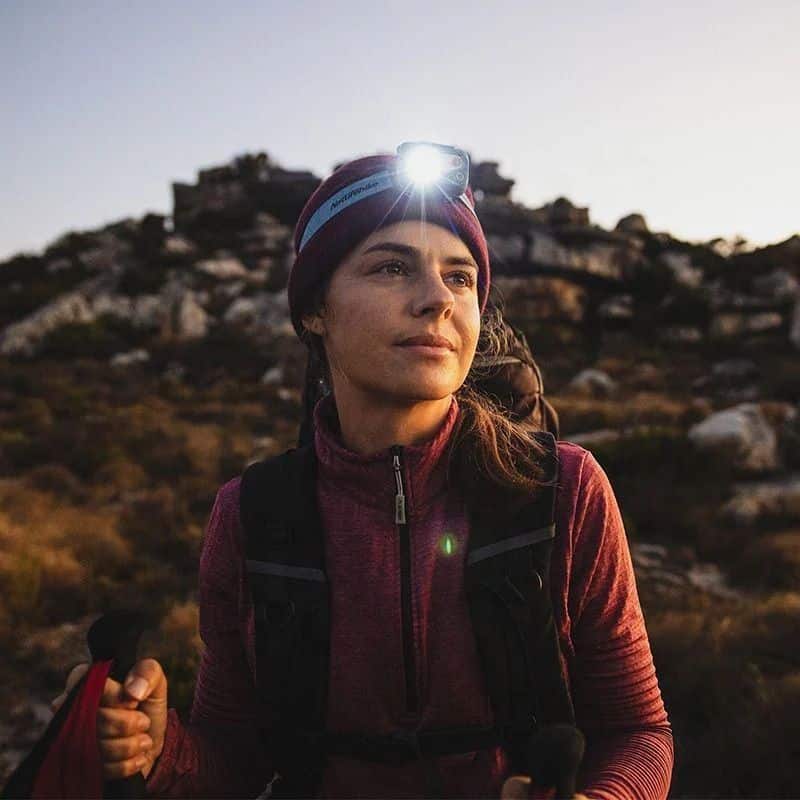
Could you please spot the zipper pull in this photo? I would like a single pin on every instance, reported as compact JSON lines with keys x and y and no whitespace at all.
{"x":399,"y":498}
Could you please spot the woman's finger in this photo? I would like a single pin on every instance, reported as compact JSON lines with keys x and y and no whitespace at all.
{"x":116,"y":750}
{"x":114,"y":696}
{"x":115,"y":723}
{"x":76,"y":673}
{"x":114,"y":770}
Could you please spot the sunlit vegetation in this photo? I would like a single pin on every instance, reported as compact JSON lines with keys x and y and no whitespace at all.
{"x":107,"y":478}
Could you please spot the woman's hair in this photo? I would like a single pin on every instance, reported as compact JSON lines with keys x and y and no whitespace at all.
{"x":493,"y":457}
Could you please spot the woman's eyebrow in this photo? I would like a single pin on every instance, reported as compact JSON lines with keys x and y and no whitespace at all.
{"x":408,"y":250}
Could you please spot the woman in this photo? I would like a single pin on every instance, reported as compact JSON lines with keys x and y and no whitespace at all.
{"x":387,"y":290}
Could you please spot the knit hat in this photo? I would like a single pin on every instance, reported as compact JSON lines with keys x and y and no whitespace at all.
{"x":324,"y":247}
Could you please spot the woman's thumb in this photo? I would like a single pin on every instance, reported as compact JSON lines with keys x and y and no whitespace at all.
{"x":146,"y":681}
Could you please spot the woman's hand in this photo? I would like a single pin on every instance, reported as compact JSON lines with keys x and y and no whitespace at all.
{"x":132,"y":720}
{"x":518,"y":787}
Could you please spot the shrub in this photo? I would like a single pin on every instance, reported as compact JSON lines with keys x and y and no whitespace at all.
{"x":58,"y":480}
{"x":101,"y":338}
{"x":769,"y":562}
{"x":154,"y":525}
{"x":726,"y":672}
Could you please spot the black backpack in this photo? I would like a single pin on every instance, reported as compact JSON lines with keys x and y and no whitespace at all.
{"x":515,"y":381}
{"x":507,"y":583}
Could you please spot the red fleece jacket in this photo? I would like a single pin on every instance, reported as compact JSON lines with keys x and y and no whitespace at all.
{"x":602,"y":634}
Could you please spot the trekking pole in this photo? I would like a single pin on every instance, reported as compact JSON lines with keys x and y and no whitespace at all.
{"x":54,"y":767}
{"x":554,"y":754}
{"x":116,"y":636}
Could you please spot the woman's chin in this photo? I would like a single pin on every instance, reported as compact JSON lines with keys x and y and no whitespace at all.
{"x":424,"y":391}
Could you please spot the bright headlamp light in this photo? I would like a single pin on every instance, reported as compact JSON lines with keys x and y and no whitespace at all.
{"x":423,"y":168}
{"x":428,"y":166}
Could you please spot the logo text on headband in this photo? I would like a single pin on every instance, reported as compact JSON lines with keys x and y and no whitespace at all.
{"x":356,"y":191}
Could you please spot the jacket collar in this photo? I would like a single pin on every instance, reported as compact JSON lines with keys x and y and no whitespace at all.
{"x":370,"y":479}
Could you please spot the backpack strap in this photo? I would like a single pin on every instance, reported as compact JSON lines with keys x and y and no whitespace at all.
{"x":508,"y":590}
{"x":285,"y":560}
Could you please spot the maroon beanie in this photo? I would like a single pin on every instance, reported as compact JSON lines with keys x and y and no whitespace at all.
{"x":325,"y":249}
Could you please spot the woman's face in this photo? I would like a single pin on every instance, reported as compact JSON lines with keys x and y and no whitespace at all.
{"x":406,"y":280}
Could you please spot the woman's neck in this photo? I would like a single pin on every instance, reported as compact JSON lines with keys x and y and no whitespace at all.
{"x":368,"y":428}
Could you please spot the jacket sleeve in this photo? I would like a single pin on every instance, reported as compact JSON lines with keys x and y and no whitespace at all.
{"x":217,"y":754}
{"x":618,"y":704}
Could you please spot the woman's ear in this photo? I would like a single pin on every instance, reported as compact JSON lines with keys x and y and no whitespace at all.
{"x":314,"y":324}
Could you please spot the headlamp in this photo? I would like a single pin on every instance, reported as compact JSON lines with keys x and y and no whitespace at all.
{"x":423,"y":168}
{"x":424,"y":165}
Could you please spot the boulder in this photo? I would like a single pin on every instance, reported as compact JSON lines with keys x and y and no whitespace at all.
{"x":107,"y":255}
{"x":189,"y":319}
{"x":618,"y":307}
{"x":735,"y":378}
{"x":506,"y":248}
{"x":735,"y":369}
{"x":242,"y":311}
{"x":58,"y":265}
{"x":680,"y":334}
{"x":273,"y":376}
{"x":145,"y":311}
{"x":769,"y":501}
{"x":562,"y":212}
{"x":225,"y":267}
{"x":778,"y":286}
{"x":730,"y":324}
{"x":266,"y":313}
{"x":600,"y":258}
{"x":265,"y":237}
{"x":218,"y":198}
{"x":794,"y":326}
{"x":789,"y":439}
{"x":709,"y":578}
{"x":138,"y":356}
{"x":23,"y":337}
{"x":646,"y":375}
{"x":632,"y":223}
{"x":742,"y":434}
{"x":483,"y":176}
{"x":592,"y":382}
{"x":680,"y":265}
{"x":178,"y":246}
{"x":541,"y":298}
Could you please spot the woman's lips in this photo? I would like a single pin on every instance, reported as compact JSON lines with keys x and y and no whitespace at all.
{"x":427,"y":350}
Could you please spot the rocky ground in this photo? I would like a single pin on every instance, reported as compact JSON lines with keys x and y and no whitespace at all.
{"x":161,"y":347}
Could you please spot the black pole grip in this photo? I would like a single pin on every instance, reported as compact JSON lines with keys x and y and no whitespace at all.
{"x":116,"y":636}
{"x":555,"y":754}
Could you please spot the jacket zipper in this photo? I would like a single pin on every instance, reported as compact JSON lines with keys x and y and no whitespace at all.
{"x":412,"y":701}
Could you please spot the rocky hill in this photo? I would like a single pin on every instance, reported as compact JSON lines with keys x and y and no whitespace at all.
{"x":144,"y":364}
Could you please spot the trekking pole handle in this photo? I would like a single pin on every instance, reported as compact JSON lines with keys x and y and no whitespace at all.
{"x":555,"y":753}
{"x":116,"y":636}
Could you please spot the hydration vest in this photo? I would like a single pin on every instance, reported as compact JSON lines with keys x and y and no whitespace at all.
{"x":507,"y":568}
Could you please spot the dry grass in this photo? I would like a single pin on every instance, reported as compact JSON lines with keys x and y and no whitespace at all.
{"x":51,"y":553}
{"x":578,"y":413}
{"x":105,"y":488}
{"x":730,"y":677}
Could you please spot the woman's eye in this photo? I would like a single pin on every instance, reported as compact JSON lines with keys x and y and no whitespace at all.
{"x":466,"y":277}
{"x":390,"y":266}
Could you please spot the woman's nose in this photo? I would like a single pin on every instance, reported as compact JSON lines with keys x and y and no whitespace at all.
{"x":432,"y":295}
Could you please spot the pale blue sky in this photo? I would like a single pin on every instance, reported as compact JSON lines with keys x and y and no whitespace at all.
{"x":687,"y":112}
